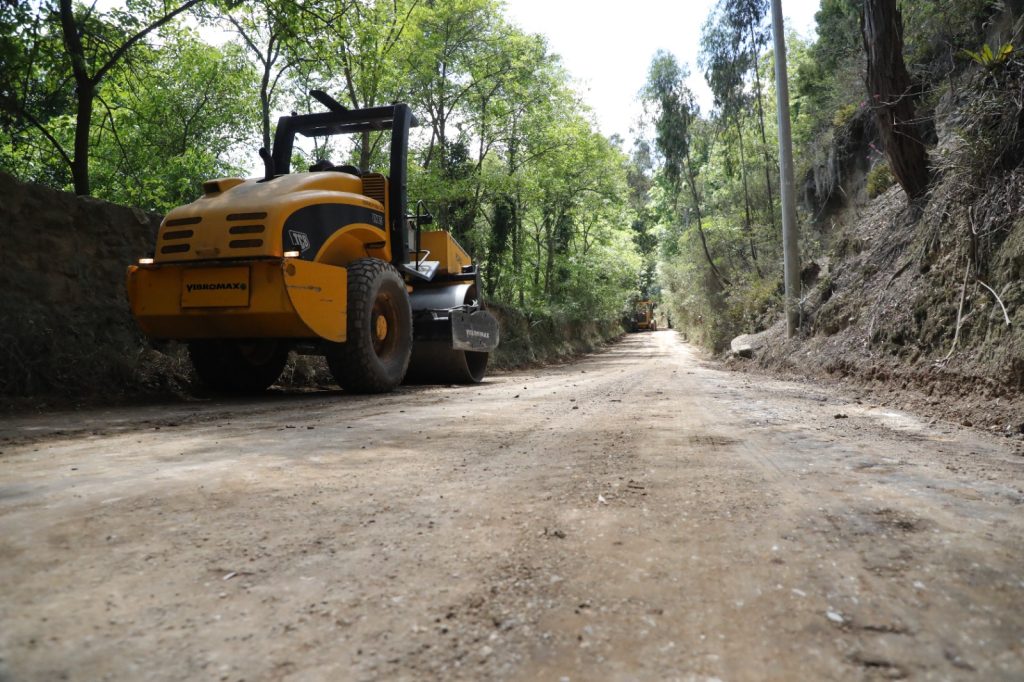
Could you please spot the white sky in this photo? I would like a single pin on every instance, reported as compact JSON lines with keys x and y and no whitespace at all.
{"x":607,"y":48}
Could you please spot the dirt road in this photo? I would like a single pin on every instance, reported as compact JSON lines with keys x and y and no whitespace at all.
{"x":635,"y":515}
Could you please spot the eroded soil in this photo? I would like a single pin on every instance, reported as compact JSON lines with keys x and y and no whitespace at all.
{"x":638,"y":514}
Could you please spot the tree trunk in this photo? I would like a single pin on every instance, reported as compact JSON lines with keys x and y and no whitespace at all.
{"x":83,"y":126}
{"x":549,"y":264}
{"x":769,"y":166}
{"x":517,"y":251}
{"x":85,"y":92}
{"x":265,"y":107}
{"x":695,"y":197}
{"x":891,"y":93}
{"x":748,"y":224}
{"x":364,"y":150}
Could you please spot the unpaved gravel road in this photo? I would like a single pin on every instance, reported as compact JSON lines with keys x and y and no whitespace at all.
{"x":637,"y":515}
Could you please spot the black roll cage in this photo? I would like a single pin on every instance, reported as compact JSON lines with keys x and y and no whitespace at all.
{"x":341,"y":121}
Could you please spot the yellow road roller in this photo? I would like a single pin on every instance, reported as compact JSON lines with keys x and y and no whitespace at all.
{"x":326,"y":261}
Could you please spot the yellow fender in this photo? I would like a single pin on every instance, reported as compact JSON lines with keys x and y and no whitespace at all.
{"x":319,"y":294}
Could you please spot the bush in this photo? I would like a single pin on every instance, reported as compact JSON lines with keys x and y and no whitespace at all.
{"x":880,"y":179}
{"x":844,"y":115}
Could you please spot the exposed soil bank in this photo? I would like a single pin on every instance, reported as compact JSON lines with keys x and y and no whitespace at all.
{"x":66,"y":329}
{"x":925,"y":303}
{"x":896,"y":312}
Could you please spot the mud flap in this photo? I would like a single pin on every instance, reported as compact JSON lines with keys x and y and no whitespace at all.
{"x":474,"y":331}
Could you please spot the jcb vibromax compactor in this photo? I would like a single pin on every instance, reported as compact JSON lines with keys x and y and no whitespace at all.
{"x":325,"y":261}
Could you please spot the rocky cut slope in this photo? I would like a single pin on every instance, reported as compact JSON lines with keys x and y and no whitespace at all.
{"x":931,"y":296}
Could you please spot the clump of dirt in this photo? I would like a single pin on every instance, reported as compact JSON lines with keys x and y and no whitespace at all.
{"x":925,"y":304}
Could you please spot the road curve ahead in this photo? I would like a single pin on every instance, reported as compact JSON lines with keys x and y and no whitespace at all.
{"x":635,"y":515}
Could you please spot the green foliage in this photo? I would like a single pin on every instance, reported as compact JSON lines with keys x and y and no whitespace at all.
{"x":935,"y":30}
{"x":828,"y":73}
{"x":720,"y":243}
{"x":880,"y":179}
{"x":673,"y":107}
{"x":989,"y":58}
{"x":844,"y":115}
{"x":173,"y":123}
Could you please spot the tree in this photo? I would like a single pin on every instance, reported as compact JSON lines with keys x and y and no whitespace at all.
{"x":726,"y":63}
{"x":366,"y":46}
{"x":892,"y":96}
{"x":746,"y":20}
{"x":674,"y":112}
{"x":269,"y":29}
{"x":35,"y":96}
{"x":173,"y":121}
{"x":94,"y":45}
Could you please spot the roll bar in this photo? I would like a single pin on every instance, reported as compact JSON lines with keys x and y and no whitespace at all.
{"x":341,"y":121}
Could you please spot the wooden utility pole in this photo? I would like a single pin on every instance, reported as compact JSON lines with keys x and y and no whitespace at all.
{"x":790,"y":230}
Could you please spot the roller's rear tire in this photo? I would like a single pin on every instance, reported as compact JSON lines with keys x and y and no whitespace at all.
{"x":376,"y":352}
{"x":238,"y":366}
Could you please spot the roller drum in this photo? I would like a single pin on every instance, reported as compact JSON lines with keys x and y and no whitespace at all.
{"x":434,"y":360}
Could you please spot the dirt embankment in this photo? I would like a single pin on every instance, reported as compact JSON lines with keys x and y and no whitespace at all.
{"x":66,"y":327}
{"x":68,"y":336}
{"x":884,"y":315}
{"x":925,"y":303}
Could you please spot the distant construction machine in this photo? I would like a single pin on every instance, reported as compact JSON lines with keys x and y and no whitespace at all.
{"x":643,"y":319}
{"x":326,"y":262}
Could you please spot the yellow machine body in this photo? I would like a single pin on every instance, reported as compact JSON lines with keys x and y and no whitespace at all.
{"x":325,"y":261}
{"x":254,"y":259}
{"x":237,"y":263}
{"x":280,"y":298}
{"x":238,"y":218}
{"x":441,"y":247}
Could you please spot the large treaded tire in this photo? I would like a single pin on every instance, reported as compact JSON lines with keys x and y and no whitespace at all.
{"x":230,"y":366}
{"x":375,"y":354}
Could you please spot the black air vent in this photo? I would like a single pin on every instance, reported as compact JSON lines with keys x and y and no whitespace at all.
{"x":178,"y":234}
{"x":175,"y":248}
{"x":247,"y":216}
{"x":177,"y":222}
{"x":246,"y":243}
{"x":246,"y":229}
{"x":373,"y":186}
